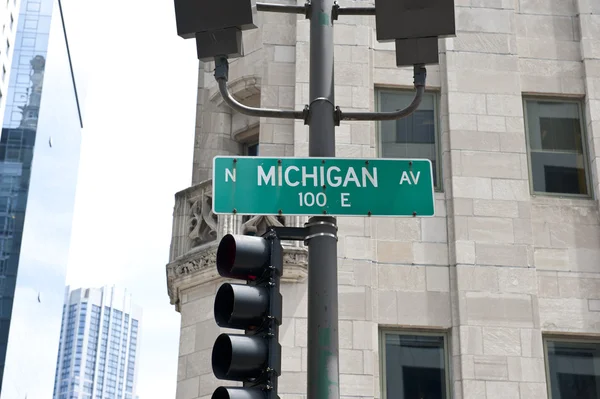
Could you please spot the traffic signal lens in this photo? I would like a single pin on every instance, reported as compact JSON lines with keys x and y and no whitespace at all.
{"x":226,"y":255}
{"x":221,"y":356}
{"x":224,"y":305}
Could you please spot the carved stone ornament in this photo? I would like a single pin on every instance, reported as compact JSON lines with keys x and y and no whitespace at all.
{"x":295,"y":264}
{"x":203,"y":223}
{"x":257,"y":225}
{"x":198,"y":267}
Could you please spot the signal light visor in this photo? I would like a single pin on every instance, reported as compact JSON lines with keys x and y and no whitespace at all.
{"x":243,"y":257}
{"x":241,"y":306}
{"x":239,"y":357}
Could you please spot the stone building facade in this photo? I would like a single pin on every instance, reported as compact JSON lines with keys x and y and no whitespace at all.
{"x":498,"y":295}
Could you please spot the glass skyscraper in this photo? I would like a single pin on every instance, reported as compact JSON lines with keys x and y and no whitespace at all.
{"x":99,"y":345}
{"x":39,"y":159}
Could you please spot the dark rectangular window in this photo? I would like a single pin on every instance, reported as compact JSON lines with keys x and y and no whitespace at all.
{"x":573,"y":370}
{"x":414,"y":136}
{"x":556,"y":141}
{"x":415,"y":366}
{"x":251,"y":150}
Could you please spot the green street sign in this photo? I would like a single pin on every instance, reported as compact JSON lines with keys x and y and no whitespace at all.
{"x":322,"y":186}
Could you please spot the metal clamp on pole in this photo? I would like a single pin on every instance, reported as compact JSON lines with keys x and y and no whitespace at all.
{"x":420,"y":75}
{"x":320,"y":228}
{"x":222,"y":74}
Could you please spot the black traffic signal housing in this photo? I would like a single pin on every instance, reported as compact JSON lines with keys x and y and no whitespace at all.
{"x":415,"y":26}
{"x":253,"y":357}
{"x":412,"y":19}
{"x":216,"y":25}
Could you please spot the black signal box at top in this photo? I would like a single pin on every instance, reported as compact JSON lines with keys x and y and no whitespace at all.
{"x":195,"y":16}
{"x":412,"y":19}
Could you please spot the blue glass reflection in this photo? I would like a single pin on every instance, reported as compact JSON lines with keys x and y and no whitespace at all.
{"x":39,"y":157}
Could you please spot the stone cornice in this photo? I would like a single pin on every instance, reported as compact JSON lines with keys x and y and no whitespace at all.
{"x":198,"y":267}
{"x":188,"y":192}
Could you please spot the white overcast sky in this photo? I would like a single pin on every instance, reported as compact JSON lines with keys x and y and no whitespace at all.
{"x":136,"y":154}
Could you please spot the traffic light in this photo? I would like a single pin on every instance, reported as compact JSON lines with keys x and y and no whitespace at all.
{"x":415,"y":26}
{"x":216,"y":25}
{"x":412,"y":19}
{"x":253,"y":357}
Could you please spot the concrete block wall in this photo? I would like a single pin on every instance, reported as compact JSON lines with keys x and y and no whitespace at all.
{"x":497,"y":267}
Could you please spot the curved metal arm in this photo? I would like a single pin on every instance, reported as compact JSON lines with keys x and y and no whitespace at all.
{"x":420,"y":74}
{"x":221,"y":75}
